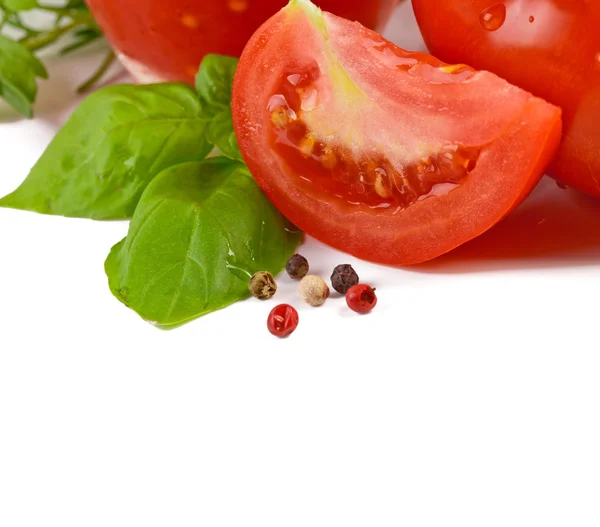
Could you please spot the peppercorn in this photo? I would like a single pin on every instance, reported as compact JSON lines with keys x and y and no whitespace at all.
{"x":262,"y":285}
{"x":282,"y":321}
{"x":297,"y":267}
{"x":343,"y":278}
{"x":361,"y":298}
{"x":314,"y":290}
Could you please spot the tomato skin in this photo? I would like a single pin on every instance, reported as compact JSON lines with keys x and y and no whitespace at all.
{"x":166,"y":40}
{"x":518,"y":135}
{"x":548,"y":47}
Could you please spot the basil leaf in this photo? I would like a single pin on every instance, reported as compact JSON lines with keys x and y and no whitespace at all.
{"x":198,"y":234}
{"x":18,"y":71}
{"x":112,"y":146}
{"x":19,"y":5}
{"x":214,"y":83}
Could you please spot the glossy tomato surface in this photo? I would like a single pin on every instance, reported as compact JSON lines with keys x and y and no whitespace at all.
{"x":166,"y":40}
{"x":392,"y":156}
{"x":549,"y":47}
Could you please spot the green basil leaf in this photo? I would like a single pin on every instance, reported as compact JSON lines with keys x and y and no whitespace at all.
{"x":19,"y":5}
{"x":18,"y":71}
{"x":112,"y":146}
{"x":198,"y":234}
{"x":214,"y":83}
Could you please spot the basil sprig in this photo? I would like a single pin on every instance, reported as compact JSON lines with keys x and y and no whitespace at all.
{"x":200,"y":227}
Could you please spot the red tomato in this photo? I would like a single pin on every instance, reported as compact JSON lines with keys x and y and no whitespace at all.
{"x":549,"y":47}
{"x":392,"y":156}
{"x":166,"y":40}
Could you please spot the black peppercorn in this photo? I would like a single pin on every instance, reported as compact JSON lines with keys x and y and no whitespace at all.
{"x":262,"y":285}
{"x":343,"y":278}
{"x":297,"y":267}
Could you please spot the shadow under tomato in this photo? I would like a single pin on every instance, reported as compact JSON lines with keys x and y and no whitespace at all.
{"x":552,"y":228}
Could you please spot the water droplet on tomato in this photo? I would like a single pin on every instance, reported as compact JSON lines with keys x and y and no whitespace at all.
{"x":309,"y":99}
{"x":531,"y":19}
{"x":597,"y":61}
{"x":493,"y":17}
{"x":294,"y":79}
{"x":439,"y":189}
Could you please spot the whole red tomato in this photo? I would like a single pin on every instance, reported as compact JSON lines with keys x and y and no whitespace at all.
{"x":549,"y":47}
{"x":166,"y":40}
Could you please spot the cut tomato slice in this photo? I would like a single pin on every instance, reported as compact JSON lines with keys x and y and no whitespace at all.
{"x":392,"y":156}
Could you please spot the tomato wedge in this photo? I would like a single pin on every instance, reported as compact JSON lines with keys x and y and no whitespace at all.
{"x":392,"y":156}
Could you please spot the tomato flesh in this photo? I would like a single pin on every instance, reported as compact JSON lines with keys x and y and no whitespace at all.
{"x":393,"y":156}
{"x":358,"y":177}
{"x":161,"y":40}
{"x":549,"y":47}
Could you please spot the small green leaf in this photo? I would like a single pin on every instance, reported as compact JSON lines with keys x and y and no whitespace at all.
{"x":19,"y":5}
{"x":112,"y":146}
{"x":198,"y":234}
{"x":18,"y":71}
{"x":214,"y":83}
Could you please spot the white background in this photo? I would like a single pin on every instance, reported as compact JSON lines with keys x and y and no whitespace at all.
{"x":470,"y":397}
